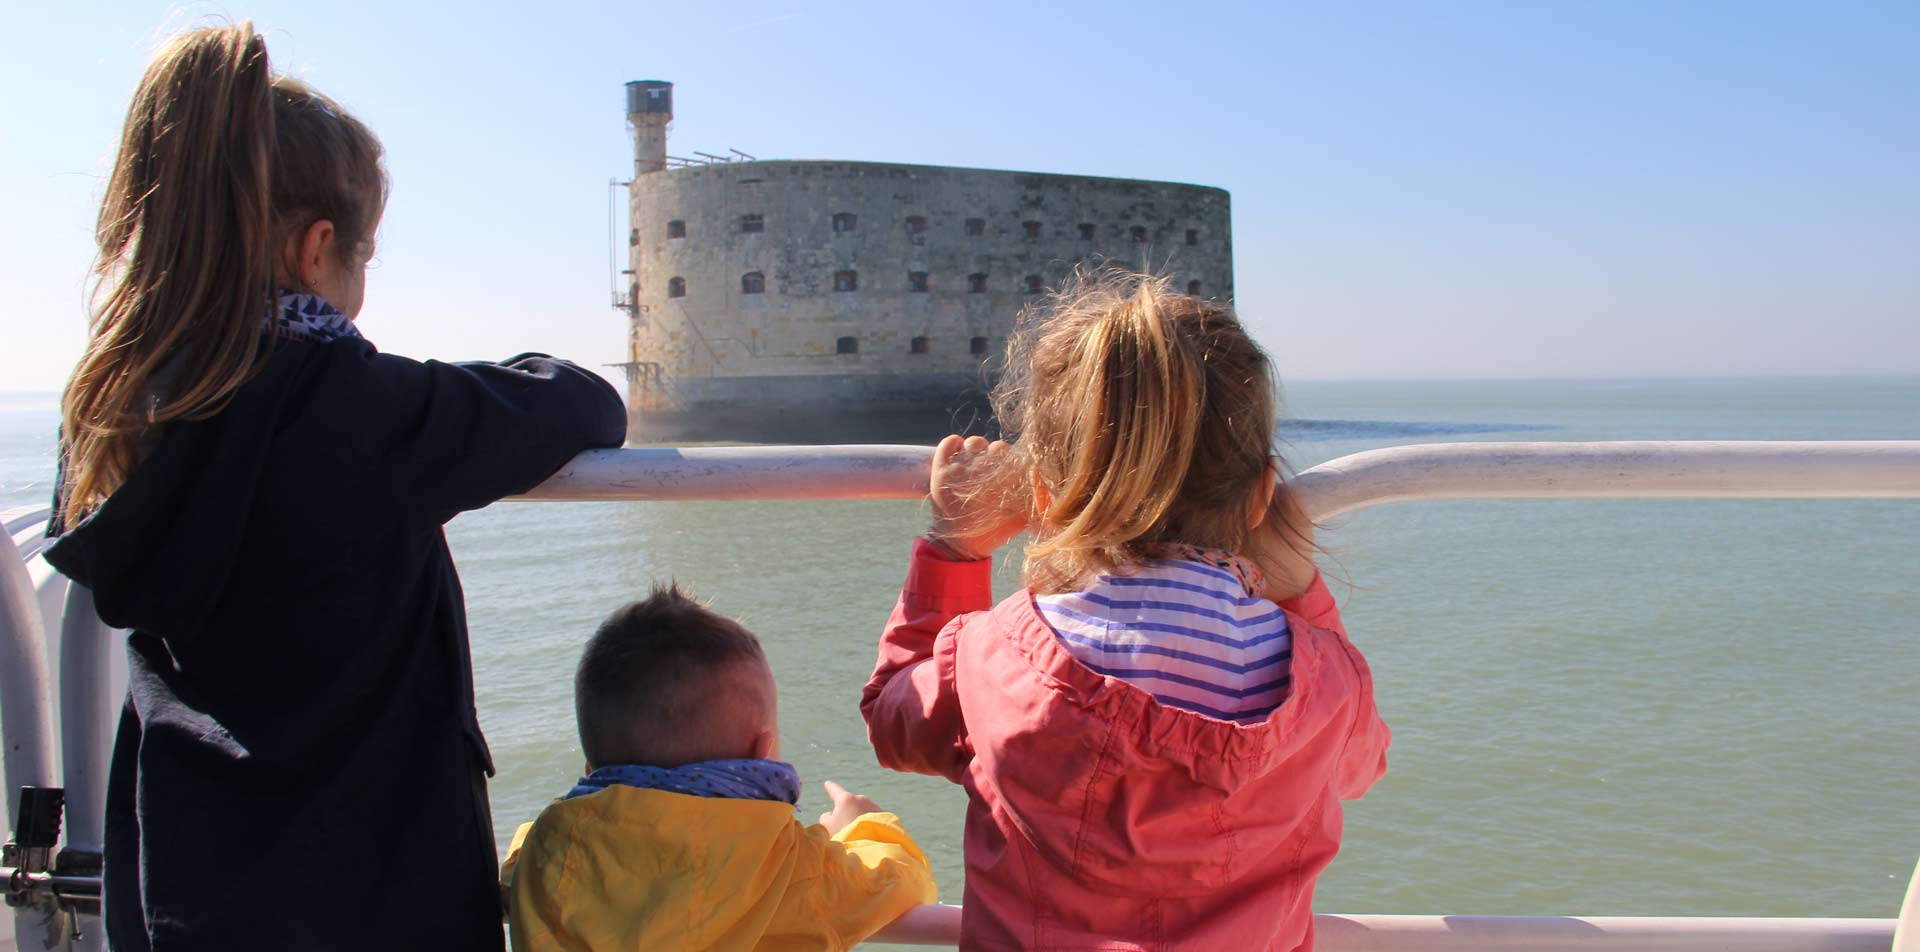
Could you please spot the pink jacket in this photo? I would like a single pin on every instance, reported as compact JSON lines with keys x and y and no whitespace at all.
{"x":1098,"y":819}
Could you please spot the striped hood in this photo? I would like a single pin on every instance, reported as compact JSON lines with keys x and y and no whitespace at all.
{"x":1189,"y":633}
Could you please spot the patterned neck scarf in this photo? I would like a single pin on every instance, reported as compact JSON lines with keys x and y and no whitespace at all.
{"x":772,"y":780}
{"x":1242,"y":568}
{"x":309,"y":317}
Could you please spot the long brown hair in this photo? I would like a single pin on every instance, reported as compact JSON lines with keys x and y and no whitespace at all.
{"x":1146,"y":416}
{"x":220,"y":163}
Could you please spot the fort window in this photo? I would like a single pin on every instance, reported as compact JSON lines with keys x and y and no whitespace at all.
{"x":633,"y":236}
{"x":916,"y":224}
{"x":977,"y":283}
{"x":977,"y":345}
{"x":843,"y":223}
{"x":1030,"y":228}
{"x":753,"y":282}
{"x":750,"y":223}
{"x":846,"y":280}
{"x":676,"y":287}
{"x":918,"y":345}
{"x":1138,"y":233}
{"x":917,"y":282}
{"x":847,"y":345}
{"x":676,"y":229}
{"x":1086,"y":231}
{"x":1193,"y":236}
{"x":1193,"y":288}
{"x":976,"y":227}
{"x":1034,"y":285}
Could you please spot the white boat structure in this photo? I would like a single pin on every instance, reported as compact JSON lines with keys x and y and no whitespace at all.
{"x":52,"y":876}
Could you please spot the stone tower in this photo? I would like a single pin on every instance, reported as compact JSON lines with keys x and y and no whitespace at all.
{"x":649,"y":110}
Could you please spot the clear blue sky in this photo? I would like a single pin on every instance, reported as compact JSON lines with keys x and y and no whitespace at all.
{"x":1528,"y":189}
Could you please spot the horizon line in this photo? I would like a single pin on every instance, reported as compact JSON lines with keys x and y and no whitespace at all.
{"x":1656,"y":378}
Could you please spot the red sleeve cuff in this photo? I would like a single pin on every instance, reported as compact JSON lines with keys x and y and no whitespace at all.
{"x":929,"y":575}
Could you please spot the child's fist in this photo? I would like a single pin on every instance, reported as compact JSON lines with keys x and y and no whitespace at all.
{"x":980,"y":497}
{"x":846,"y":807}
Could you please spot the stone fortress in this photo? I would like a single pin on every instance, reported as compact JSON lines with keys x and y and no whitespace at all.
{"x":804,"y":301}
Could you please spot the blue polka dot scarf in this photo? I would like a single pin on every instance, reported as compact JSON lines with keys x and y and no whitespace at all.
{"x":309,"y":317}
{"x":726,"y":779}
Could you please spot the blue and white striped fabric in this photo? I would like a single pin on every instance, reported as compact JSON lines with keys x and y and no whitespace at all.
{"x":1187,"y":632}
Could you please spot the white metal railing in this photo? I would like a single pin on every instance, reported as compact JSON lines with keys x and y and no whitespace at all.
{"x":940,"y":926}
{"x":1716,"y":470}
{"x":1724,"y":470}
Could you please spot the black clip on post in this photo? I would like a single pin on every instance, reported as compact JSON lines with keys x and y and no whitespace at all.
{"x":29,"y":854}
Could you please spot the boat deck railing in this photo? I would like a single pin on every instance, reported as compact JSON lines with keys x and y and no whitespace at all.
{"x":56,"y":892}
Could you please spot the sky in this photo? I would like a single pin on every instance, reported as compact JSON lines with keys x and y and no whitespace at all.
{"x":1420,"y":190}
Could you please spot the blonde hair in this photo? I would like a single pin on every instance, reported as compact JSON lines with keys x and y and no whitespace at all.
{"x":1146,"y":416}
{"x":219,"y":164}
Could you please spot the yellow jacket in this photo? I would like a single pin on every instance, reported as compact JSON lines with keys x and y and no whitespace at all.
{"x":633,"y":868}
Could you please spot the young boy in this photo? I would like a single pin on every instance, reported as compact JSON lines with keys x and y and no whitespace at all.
{"x":682,"y":834}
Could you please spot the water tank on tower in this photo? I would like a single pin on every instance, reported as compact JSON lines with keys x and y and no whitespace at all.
{"x":649,"y":109}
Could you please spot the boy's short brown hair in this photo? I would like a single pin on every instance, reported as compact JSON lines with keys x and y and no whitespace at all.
{"x":657,"y":678}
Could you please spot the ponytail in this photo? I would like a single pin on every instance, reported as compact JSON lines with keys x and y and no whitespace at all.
{"x":1133,"y":397}
{"x":201,"y":197}
{"x":1144,"y":415}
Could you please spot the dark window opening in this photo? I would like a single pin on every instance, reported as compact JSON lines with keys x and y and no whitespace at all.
{"x":1086,"y":231}
{"x":753,"y":223}
{"x":847,"y":345}
{"x":1030,"y":228}
{"x":633,"y":236}
{"x":753,"y":282}
{"x":1193,"y":288}
{"x":676,"y":287}
{"x":916,"y":224}
{"x":846,"y":280}
{"x":977,"y":345}
{"x":843,"y":223}
{"x":1138,"y":233}
{"x":918,"y":345}
{"x":917,"y":282}
{"x":976,"y":227}
{"x":1034,"y":285}
{"x":977,"y":283}
{"x":1193,"y":236}
{"x":676,"y":229}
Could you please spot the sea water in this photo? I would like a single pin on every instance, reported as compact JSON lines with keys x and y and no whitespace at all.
{"x":1607,"y":707}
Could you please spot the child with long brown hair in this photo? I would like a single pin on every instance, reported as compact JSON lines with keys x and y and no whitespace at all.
{"x":256,"y":494}
{"x":1155,"y":734}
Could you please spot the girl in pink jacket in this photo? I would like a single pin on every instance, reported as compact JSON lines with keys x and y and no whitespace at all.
{"x":1156,"y":733}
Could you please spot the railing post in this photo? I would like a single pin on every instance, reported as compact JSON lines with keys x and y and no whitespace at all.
{"x":86,"y":731}
{"x":26,"y":712}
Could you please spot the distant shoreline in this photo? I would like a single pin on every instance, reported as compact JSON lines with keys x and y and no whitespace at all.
{"x":1289,"y":380}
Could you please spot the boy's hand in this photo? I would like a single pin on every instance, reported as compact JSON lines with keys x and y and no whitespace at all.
{"x":846,"y":807}
{"x":980,"y":499}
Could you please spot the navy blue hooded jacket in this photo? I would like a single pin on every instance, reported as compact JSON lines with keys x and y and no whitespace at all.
{"x":298,"y":764}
